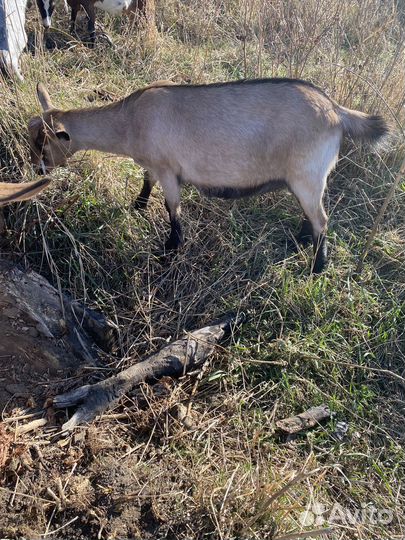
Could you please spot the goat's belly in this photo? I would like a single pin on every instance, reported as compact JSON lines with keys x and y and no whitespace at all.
{"x":234,"y":177}
{"x":113,"y":6}
{"x":229,"y":192}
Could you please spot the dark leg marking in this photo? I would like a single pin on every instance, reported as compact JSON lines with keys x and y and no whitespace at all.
{"x":320,"y":253}
{"x":175,"y":239}
{"x":92,"y":31}
{"x":142,"y":200}
{"x":91,"y":26}
{"x":73,"y":17}
{"x":304,"y":237}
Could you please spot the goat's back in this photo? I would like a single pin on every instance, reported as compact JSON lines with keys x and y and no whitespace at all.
{"x":232,"y":133}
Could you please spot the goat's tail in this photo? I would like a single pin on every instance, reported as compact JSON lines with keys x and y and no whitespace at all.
{"x":21,"y":192}
{"x":364,"y":127}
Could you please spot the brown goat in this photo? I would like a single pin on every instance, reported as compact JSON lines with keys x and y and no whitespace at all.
{"x":229,"y":140}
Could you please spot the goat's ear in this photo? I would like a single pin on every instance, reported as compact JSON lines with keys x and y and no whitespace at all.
{"x":43,"y":97}
{"x":63,"y":135}
{"x":36,"y":130}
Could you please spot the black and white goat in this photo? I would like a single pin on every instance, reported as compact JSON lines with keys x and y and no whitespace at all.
{"x":114,"y":7}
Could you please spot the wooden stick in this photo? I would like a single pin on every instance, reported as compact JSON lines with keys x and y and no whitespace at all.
{"x":305,"y":534}
{"x":31,"y":426}
{"x":379,"y":217}
{"x":305,"y":420}
{"x":173,"y":360}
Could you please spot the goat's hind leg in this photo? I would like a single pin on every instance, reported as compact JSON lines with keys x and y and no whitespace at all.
{"x":91,"y":24}
{"x":309,"y":195}
{"x":73,"y":17}
{"x":304,"y":237}
{"x":141,"y":201}
{"x":171,"y":189}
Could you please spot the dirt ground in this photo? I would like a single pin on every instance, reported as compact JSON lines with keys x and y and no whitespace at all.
{"x":82,"y":481}
{"x":29,"y":356}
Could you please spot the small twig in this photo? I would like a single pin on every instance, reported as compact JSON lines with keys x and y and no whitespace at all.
{"x":200,"y":375}
{"x":379,"y":217}
{"x":304,"y":534}
{"x":31,"y":426}
{"x":60,"y":528}
{"x":26,"y":495}
{"x":380,"y":371}
{"x":61,"y":490}
{"x":15,"y":491}
{"x":52,"y":494}
{"x":12,"y":419}
{"x":267,"y":362}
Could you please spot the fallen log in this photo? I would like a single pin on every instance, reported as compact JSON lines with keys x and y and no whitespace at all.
{"x":175,"y":359}
{"x":304,"y":420}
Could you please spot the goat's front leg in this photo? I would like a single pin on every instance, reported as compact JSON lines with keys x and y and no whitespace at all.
{"x":304,"y":237}
{"x":171,"y":190}
{"x":91,"y":26}
{"x":142,"y":200}
{"x":73,"y":17}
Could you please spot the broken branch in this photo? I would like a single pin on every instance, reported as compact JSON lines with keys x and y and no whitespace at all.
{"x":305,"y":420}
{"x":175,"y":359}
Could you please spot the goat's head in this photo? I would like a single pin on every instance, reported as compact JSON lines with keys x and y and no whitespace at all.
{"x":49,"y":141}
{"x":46,"y":8}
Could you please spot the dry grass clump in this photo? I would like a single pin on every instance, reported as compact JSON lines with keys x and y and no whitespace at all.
{"x":140,"y":472}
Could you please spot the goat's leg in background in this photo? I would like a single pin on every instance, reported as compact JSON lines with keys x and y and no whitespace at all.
{"x":90,"y":10}
{"x":73,"y":15}
{"x":142,"y":200}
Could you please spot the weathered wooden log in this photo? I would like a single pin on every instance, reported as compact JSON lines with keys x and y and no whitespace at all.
{"x":305,"y":420}
{"x":175,"y":359}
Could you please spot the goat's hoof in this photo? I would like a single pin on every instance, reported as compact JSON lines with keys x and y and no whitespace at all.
{"x":304,"y":239}
{"x":171,"y":246}
{"x":139,"y":204}
{"x":318,"y":267}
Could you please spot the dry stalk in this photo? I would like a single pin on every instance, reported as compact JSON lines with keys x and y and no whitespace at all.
{"x":379,"y":217}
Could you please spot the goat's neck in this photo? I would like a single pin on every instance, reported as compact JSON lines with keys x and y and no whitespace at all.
{"x":100,"y":128}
